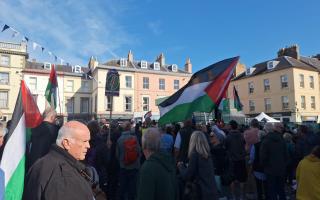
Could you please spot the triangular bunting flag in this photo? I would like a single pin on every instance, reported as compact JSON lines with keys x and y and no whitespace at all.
{"x":5,"y":27}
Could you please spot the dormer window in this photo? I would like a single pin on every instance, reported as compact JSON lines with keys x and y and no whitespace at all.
{"x":144,"y":64}
{"x":77,"y":69}
{"x":250,"y":70}
{"x":123,"y":62}
{"x":272,"y":64}
{"x":174,"y":68}
{"x":156,"y":66}
{"x":47,"y":66}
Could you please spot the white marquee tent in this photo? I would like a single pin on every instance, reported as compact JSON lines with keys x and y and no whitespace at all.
{"x":264,"y":117}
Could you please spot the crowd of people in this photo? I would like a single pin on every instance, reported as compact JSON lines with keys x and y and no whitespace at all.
{"x":180,"y":161}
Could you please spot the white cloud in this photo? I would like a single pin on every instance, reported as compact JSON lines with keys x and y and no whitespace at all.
{"x":73,"y":30}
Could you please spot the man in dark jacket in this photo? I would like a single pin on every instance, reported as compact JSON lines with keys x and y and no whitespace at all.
{"x":235,"y":146}
{"x":59,"y":174}
{"x":157,"y":179}
{"x":42,"y":137}
{"x":273,"y":159}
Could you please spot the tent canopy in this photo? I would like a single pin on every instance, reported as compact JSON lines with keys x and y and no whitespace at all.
{"x":264,"y":117}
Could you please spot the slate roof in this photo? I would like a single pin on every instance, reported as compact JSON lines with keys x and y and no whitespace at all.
{"x":59,"y":68}
{"x":284,"y":63}
{"x":137,"y":65}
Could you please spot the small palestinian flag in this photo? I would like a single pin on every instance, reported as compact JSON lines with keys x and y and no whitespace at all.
{"x":12,"y":165}
{"x":148,"y":114}
{"x":51,"y":91}
{"x":236,"y":101}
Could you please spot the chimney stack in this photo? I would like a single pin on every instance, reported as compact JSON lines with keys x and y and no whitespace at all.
{"x":188,"y":66}
{"x":292,"y":51}
{"x":130,"y":56}
{"x":161,"y":59}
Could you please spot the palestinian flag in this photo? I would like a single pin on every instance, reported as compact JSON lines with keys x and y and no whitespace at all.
{"x":202,"y":93}
{"x":148,"y":114}
{"x":236,"y":100}
{"x":51,"y":91}
{"x":12,"y":166}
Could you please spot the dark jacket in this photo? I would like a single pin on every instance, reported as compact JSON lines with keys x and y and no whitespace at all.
{"x":305,"y":144}
{"x":185,"y":134}
{"x":202,"y":171}
{"x":157,"y":180}
{"x":235,"y":145}
{"x":42,"y":138}
{"x":273,"y":154}
{"x":57,"y":176}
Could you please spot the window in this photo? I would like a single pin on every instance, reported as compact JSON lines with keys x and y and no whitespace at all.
{"x":108,"y":103}
{"x":267,"y":104}
{"x":85,"y":86}
{"x":266,"y":84}
{"x":123,"y":62}
{"x":311,"y":82}
{"x":313,"y":102}
{"x":145,"y":83}
{"x":251,"y":105}
{"x":128,"y":81}
{"x":84,"y":105}
{"x":301,"y":76}
{"x":4,"y":60}
{"x":162,"y":84}
{"x":69,"y":86}
{"x":176,"y":84}
{"x":33,"y":83}
{"x":285,"y":102}
{"x":251,"y":88}
{"x":303,"y":102}
{"x":144,"y":64}
{"x":4,"y":78}
{"x":70,"y":105}
{"x":145,"y":103}
{"x":284,"y":81}
{"x":156,"y":66}
{"x":4,"y":99}
{"x":128,"y":103}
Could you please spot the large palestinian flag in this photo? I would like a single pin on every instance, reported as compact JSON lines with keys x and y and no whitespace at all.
{"x":12,"y":166}
{"x":51,"y":90}
{"x":202,"y":93}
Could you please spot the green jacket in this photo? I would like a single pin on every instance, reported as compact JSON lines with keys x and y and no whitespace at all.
{"x":157,"y":179}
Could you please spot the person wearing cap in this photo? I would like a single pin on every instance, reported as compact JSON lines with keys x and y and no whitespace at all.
{"x":60,"y":174}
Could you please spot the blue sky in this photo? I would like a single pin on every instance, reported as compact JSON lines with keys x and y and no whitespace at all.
{"x":206,"y":31}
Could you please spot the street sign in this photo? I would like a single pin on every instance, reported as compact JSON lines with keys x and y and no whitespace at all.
{"x":112,"y":83}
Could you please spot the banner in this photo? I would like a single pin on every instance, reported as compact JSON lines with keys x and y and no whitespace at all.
{"x":112,"y":83}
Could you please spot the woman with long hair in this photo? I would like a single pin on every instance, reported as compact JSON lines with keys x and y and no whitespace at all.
{"x":200,"y":170}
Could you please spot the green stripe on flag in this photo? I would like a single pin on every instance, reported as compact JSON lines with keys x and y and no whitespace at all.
{"x":183,"y":111}
{"x":14,"y":188}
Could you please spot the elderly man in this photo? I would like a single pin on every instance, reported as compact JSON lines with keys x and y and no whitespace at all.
{"x":59,"y":174}
{"x":157,"y":179}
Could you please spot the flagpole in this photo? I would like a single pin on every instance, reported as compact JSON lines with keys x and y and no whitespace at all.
{"x":59,"y":99}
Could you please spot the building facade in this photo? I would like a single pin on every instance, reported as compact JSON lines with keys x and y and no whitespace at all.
{"x":141,"y":84}
{"x":81,"y":90}
{"x":286,"y":88}
{"x":12,"y":61}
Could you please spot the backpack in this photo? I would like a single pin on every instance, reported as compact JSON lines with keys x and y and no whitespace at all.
{"x":130,"y":150}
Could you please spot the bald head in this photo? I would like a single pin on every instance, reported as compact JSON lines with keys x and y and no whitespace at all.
{"x":74,"y":136}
